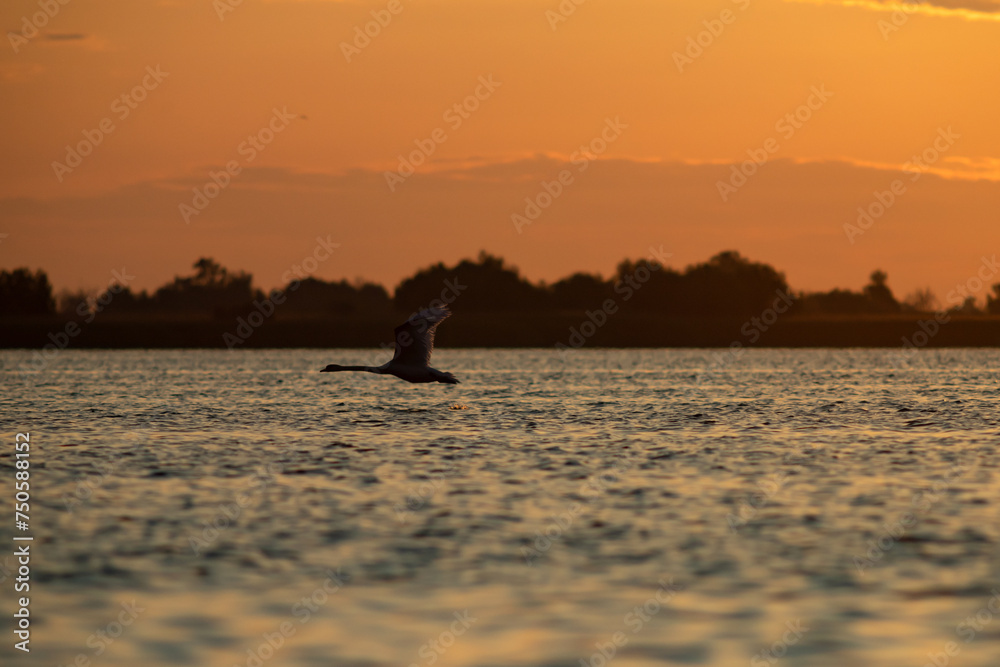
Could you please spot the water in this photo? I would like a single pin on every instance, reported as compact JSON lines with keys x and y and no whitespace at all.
{"x":808,"y":507}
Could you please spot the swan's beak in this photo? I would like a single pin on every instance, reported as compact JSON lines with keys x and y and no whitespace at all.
{"x":324,"y":370}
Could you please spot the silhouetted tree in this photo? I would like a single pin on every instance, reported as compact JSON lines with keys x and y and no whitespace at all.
{"x":318,"y":297}
{"x":730,"y":285}
{"x":968,"y":307}
{"x":921,"y":301}
{"x":213,"y":289}
{"x":834,"y":302}
{"x":484,"y":285}
{"x":878,"y":292}
{"x":68,"y":301}
{"x":641,"y":285}
{"x":127,"y":302}
{"x":727,"y":285}
{"x":580,"y":291}
{"x":875,"y":298}
{"x":993,"y":301}
{"x":25,"y":293}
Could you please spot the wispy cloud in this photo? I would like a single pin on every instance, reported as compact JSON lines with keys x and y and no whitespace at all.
{"x":76,"y":40}
{"x":970,"y":10}
{"x":950,"y":168}
{"x":63,"y":36}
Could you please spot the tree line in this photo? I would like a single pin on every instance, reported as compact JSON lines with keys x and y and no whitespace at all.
{"x":728,"y":285}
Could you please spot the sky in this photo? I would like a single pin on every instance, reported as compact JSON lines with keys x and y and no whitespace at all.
{"x":828,"y":138}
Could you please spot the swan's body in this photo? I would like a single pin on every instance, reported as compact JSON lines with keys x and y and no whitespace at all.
{"x":414,"y":344}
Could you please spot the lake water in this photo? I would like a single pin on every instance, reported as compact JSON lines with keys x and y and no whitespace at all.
{"x":792,"y":507}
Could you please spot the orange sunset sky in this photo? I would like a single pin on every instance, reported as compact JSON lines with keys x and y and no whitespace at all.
{"x":892,"y":86}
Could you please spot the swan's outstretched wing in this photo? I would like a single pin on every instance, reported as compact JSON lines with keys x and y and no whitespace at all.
{"x":415,"y":337}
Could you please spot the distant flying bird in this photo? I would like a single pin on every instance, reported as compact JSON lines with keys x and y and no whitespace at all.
{"x":414,"y":344}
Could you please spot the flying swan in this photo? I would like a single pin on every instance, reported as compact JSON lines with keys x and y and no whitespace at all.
{"x":414,"y":344}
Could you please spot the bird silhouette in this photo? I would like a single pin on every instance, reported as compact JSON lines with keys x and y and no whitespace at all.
{"x":414,"y":344}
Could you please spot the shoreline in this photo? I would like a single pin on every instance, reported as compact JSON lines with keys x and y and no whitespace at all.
{"x":513,"y":330}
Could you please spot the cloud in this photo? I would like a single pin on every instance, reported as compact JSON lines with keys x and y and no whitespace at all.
{"x":971,"y":10}
{"x":75,"y":40}
{"x":63,"y":36}
{"x":949,"y":168}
